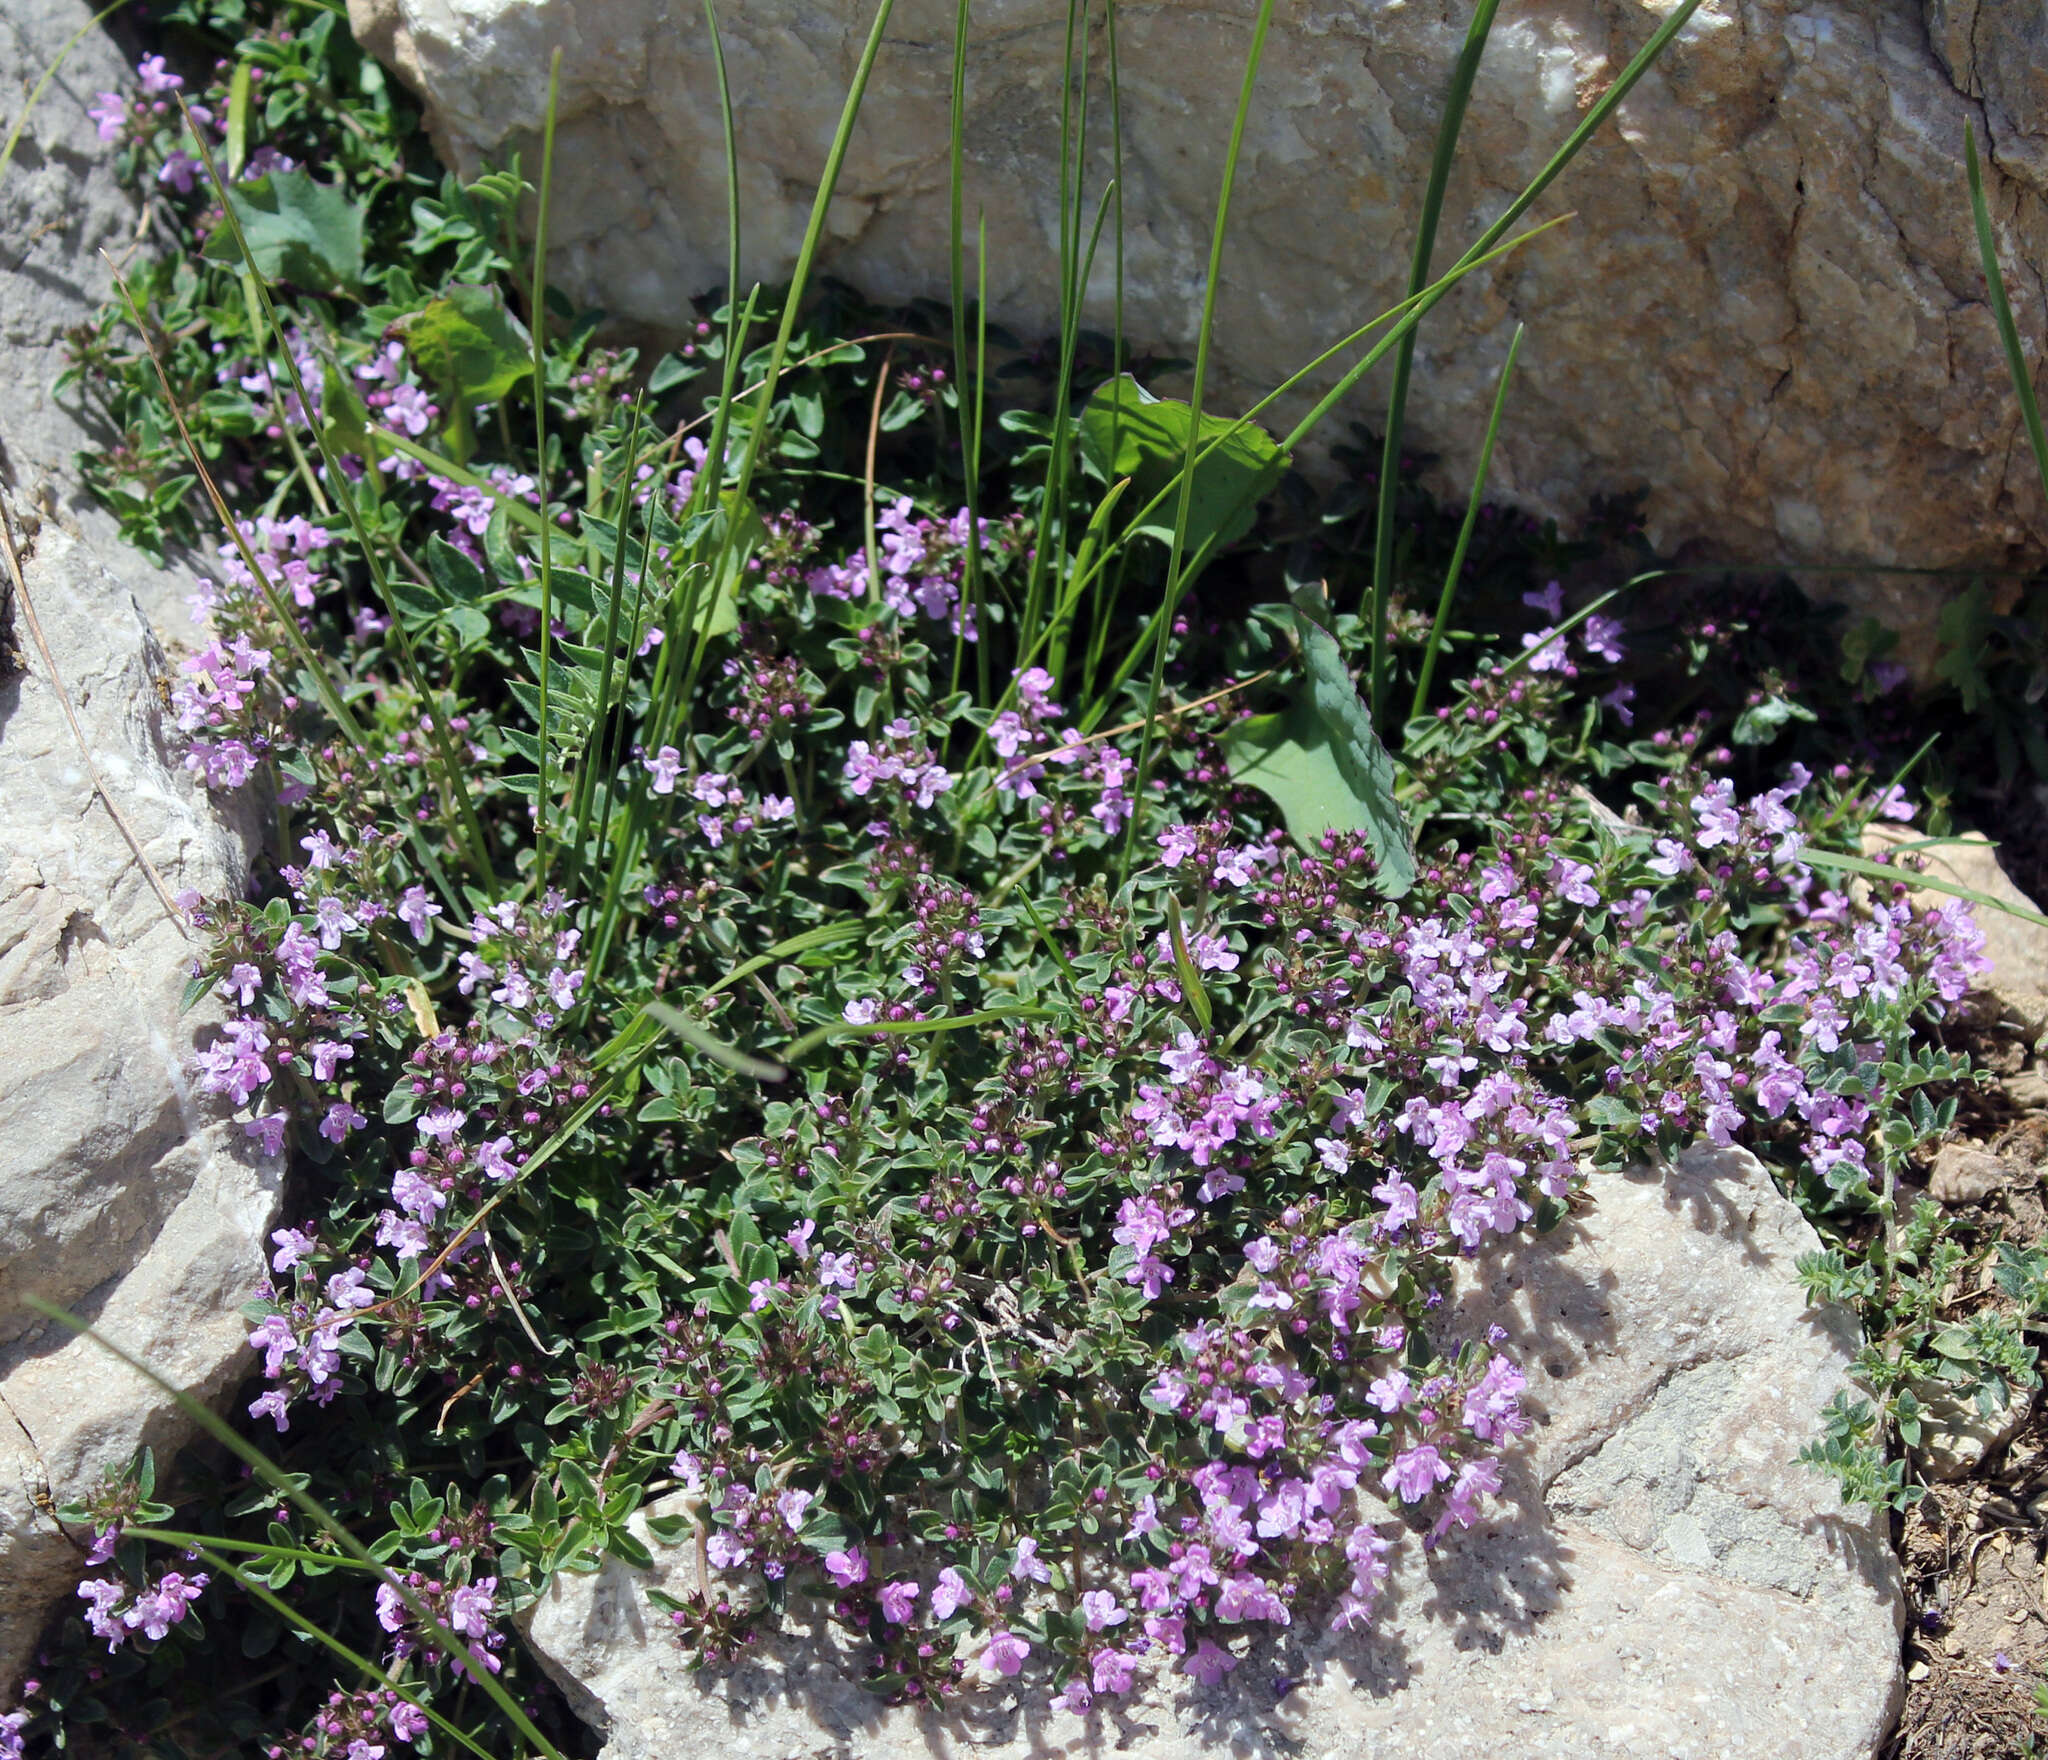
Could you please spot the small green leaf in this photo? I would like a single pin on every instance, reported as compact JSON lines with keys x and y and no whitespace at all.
{"x":306,"y":233}
{"x":1127,"y":432}
{"x":1763,"y":722}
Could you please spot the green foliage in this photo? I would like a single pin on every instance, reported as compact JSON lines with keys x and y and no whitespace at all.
{"x":1127,"y":432}
{"x":299,"y":231}
{"x":1360,"y":758}
{"x":469,"y":344}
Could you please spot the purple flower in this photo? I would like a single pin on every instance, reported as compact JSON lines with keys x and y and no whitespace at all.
{"x":439,"y":1124}
{"x":1110,"y":1670}
{"x":665,"y":766}
{"x":181,"y":171}
{"x":340,"y":1120}
{"x":1209,"y":1664}
{"x":897,"y":1599}
{"x":949,"y":1594}
{"x":155,"y":77}
{"x":1601,"y":637}
{"x":416,"y":910}
{"x":847,"y":1567}
{"x":1415,"y":1472}
{"x":271,"y":1405}
{"x":471,"y":1608}
{"x":1029,"y":1567}
{"x":109,"y":113}
{"x":268,"y":1132}
{"x":325,"y":1054}
{"x":1099,"y":1610}
{"x":1005,"y":1655}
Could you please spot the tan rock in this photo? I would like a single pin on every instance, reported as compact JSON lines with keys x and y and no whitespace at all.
{"x":1956,"y":1437}
{"x":2015,"y":990}
{"x":1662,"y":1578}
{"x":1965,"y":1174}
{"x":1768,"y":311}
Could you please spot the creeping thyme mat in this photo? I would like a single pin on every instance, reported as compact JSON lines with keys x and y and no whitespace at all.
{"x":780,"y":984}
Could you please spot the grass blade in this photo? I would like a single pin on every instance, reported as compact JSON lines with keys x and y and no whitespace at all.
{"x":700,"y":1038}
{"x":1451,"y":574}
{"x":539,"y":327}
{"x":49,"y":73}
{"x":1828,"y":858}
{"x":970,"y":427}
{"x":1448,"y":130}
{"x":798,"y":1049}
{"x":1176,"y":579}
{"x":2001,"y":307}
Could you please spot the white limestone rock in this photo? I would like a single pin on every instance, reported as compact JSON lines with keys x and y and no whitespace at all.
{"x":1768,"y":311}
{"x":122,"y":1194}
{"x":1661,"y":1580}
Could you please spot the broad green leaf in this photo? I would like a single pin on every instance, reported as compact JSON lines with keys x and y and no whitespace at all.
{"x":306,"y":233}
{"x":1127,"y":432}
{"x":1361,"y":759}
{"x":470,"y":345}
{"x":1288,"y":757}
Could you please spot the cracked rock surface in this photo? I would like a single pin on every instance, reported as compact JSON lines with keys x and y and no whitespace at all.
{"x":123,"y":1195}
{"x":1661,"y":1579}
{"x":1768,"y":312}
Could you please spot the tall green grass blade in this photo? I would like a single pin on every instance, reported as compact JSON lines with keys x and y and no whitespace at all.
{"x":1051,"y":536}
{"x":807,"y":252}
{"x":1412,"y":311}
{"x":587,"y":765}
{"x":1175,"y":580}
{"x":1589,"y":125}
{"x":539,"y":327}
{"x":1472,"y":504}
{"x":1402,"y":316}
{"x":278,"y":1480}
{"x":970,"y":425}
{"x":1578,"y":617}
{"x":1848,"y":864}
{"x":208,"y":1547}
{"x":701,"y":1038}
{"x":798,"y":1049}
{"x":1191,"y":985}
{"x":2001,"y":309}
{"x":1448,"y":130}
